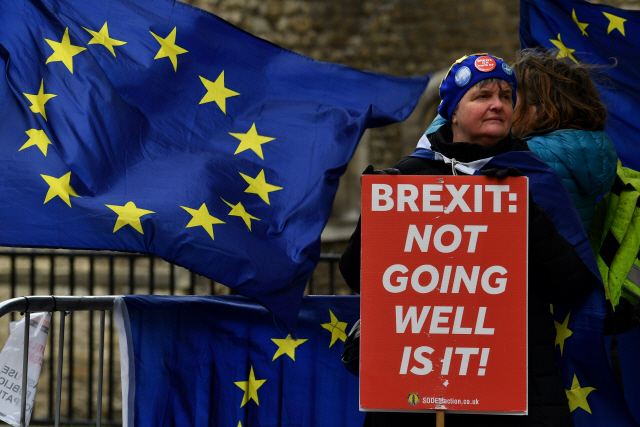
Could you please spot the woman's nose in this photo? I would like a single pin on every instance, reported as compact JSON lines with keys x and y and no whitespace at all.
{"x":496,"y":103}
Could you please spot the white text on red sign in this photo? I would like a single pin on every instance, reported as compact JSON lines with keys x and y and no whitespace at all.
{"x":385,"y":197}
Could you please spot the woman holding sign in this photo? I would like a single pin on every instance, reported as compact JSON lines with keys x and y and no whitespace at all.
{"x":478,"y":97}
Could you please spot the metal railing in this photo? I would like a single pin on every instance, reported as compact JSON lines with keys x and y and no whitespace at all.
{"x":96,"y":275}
{"x":61,"y":304}
{"x":45,"y":271}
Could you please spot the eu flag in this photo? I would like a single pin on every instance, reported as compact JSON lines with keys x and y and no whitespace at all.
{"x":156,"y":127}
{"x":225,"y":361}
{"x":595,"y":33}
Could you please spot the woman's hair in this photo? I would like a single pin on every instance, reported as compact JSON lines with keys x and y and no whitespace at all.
{"x":561,"y":90}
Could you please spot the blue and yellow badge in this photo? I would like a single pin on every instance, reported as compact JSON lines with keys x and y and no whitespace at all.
{"x":507,"y":70}
{"x":413,"y":399}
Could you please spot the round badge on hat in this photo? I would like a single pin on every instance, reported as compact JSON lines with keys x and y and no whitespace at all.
{"x":485,"y":64}
{"x":507,"y":70}
{"x":463,"y":76}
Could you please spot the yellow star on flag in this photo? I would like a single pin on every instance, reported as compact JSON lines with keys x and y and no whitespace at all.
{"x":239,"y":424}
{"x":250,"y":388}
{"x":129,"y":214}
{"x":615,"y":23}
{"x":217,"y":92}
{"x":251,"y":141}
{"x":582,"y":25}
{"x":578,"y":395}
{"x":59,"y":187}
{"x":64,"y":51}
{"x":259,"y":186}
{"x":565,"y":52}
{"x":562,"y":332}
{"x":201,"y":218}
{"x":337,"y":328}
{"x":102,"y":37}
{"x":38,"y":100}
{"x":37,"y":138}
{"x":238,"y":210}
{"x":287,"y":346}
{"x":168,"y":48}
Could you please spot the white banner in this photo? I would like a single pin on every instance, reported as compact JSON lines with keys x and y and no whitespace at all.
{"x":11,"y":367}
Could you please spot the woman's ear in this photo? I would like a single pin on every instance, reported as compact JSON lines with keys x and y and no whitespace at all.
{"x":454,"y":120}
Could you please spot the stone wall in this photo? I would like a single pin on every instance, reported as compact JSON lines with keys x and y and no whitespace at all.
{"x":403,"y":37}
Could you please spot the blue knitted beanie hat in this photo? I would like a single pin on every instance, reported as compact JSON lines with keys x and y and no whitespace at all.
{"x":465,"y":73}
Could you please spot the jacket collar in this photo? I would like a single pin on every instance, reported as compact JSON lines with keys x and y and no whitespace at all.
{"x":465,"y":156}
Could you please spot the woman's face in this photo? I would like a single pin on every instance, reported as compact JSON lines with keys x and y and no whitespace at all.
{"x":484,"y":115}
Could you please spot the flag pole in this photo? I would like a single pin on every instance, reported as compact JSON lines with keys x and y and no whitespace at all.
{"x":439,"y":417}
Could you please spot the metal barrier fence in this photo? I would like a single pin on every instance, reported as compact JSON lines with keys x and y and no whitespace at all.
{"x":62,"y":305}
{"x":92,"y":273}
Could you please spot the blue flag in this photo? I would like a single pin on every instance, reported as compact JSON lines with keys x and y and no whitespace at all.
{"x":226,"y":361}
{"x":594,"y":398}
{"x":628,"y":348}
{"x":595,"y":34}
{"x":156,"y":127}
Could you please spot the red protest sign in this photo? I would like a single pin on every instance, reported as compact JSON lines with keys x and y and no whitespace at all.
{"x":444,"y":294}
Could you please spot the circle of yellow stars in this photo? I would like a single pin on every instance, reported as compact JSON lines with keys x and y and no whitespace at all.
{"x":63,"y":50}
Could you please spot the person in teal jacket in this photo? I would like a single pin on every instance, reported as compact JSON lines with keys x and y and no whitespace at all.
{"x":560,"y":116}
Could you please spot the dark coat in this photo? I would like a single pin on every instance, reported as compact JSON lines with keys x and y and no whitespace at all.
{"x":557,"y":275}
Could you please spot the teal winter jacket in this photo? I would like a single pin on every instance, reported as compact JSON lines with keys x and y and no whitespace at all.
{"x":585,"y":160}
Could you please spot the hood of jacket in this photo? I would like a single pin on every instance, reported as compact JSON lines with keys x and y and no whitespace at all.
{"x":588,"y":158}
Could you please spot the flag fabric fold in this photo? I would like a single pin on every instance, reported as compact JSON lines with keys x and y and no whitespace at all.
{"x":595,"y":34}
{"x":159,"y":128}
{"x":227,"y":361}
